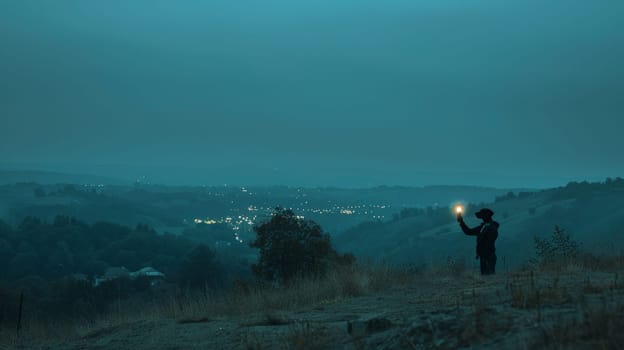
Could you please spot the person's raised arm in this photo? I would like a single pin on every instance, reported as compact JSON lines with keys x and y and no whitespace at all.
{"x":467,"y":230}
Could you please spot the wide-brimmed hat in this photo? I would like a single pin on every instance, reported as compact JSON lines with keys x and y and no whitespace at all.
{"x":484,"y":213}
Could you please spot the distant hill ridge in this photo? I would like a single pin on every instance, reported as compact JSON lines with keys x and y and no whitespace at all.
{"x":593,"y":213}
{"x":8,"y":177}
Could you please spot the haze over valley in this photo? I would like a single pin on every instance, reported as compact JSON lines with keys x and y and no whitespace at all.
{"x":354,"y":174}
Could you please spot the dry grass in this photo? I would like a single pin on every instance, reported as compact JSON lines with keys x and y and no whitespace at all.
{"x":305,"y":336}
{"x":560,"y":282}
{"x":529,"y":291}
{"x":585,"y":284}
{"x":244,"y":299}
{"x":340,"y":284}
{"x":597,"y":327}
{"x":35,"y":331}
{"x":583,"y":262}
{"x":299,"y":336}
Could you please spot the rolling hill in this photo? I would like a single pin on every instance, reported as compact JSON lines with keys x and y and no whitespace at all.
{"x":592,"y":213}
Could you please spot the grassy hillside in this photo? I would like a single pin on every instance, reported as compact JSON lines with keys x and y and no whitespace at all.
{"x":593,"y":213}
{"x":563,"y":306}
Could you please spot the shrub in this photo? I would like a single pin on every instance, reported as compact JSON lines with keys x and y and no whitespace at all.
{"x":559,"y":248}
{"x":201,"y":269}
{"x":291,"y":246}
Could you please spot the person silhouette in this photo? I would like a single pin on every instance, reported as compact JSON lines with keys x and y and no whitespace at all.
{"x":487,"y":233}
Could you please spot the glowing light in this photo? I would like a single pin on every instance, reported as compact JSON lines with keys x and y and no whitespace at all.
{"x":459,"y":209}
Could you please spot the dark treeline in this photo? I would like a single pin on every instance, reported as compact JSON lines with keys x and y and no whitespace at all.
{"x":68,"y":269}
{"x":56,"y":264}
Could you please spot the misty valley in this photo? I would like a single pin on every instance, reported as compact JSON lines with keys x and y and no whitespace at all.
{"x":94,"y":252}
{"x":311,"y":175}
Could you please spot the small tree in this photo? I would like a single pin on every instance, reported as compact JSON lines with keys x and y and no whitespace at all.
{"x":560,"y":247}
{"x":291,"y":246}
{"x":200,"y":268}
{"x":39,"y":192}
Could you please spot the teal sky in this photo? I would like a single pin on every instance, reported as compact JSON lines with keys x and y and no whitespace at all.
{"x":349,"y":93}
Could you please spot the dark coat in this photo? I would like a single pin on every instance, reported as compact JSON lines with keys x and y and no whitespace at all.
{"x":486,"y":233}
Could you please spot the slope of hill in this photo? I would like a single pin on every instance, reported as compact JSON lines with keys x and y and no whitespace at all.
{"x":592,"y":213}
{"x":437,"y":310}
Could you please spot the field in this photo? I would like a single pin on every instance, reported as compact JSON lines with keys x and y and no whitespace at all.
{"x":573,"y":305}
